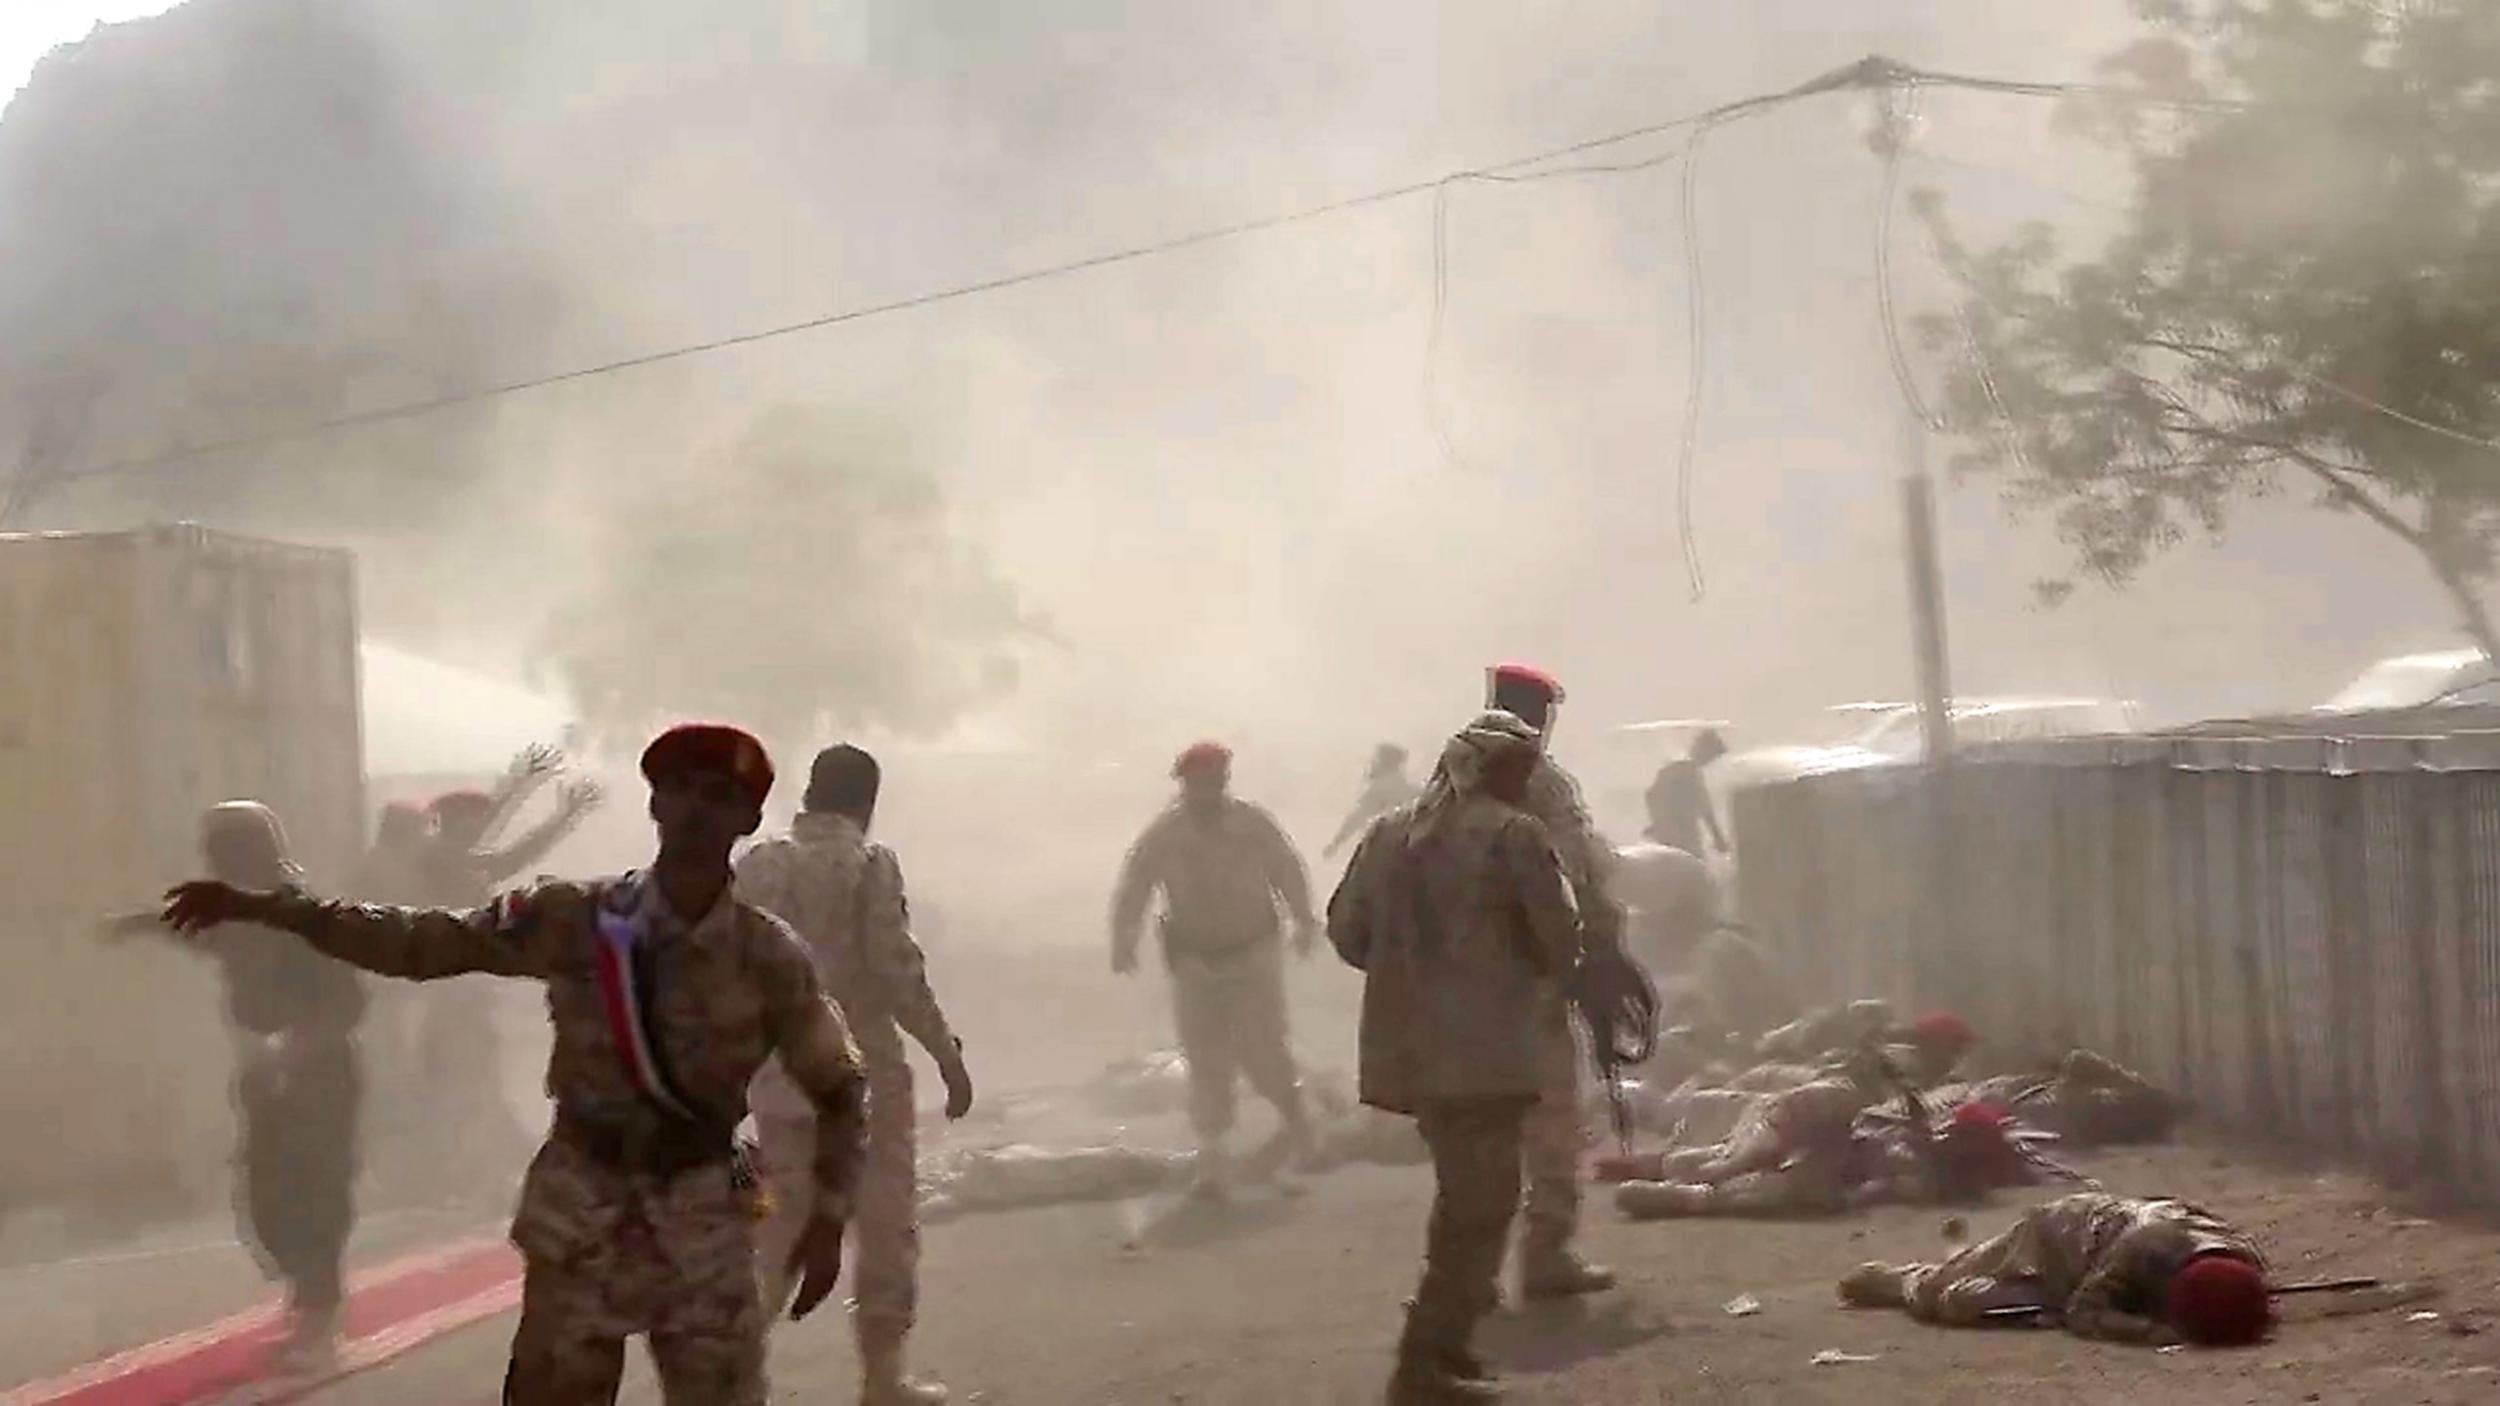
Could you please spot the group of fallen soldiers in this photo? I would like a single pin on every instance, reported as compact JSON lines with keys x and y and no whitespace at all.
{"x":781,"y":982}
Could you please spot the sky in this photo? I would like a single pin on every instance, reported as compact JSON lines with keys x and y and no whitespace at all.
{"x":29,"y":29}
{"x":1251,"y":488}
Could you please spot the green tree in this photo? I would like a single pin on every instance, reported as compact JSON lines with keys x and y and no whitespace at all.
{"x":2305,"y":292}
{"x":811,"y":578}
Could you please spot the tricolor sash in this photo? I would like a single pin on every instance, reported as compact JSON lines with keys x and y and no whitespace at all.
{"x":626,"y":988}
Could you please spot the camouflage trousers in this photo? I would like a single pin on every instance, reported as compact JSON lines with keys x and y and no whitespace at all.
{"x":885,"y":1223}
{"x":1555,"y":1138}
{"x":1475,"y":1147}
{"x":1230,"y":1012}
{"x":1959,"y":1292}
{"x":699,"y":1313}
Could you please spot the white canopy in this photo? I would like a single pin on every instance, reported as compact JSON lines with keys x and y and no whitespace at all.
{"x":423,"y":717}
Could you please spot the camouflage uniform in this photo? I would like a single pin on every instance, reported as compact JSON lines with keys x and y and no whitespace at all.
{"x":1221,"y":877}
{"x":1556,"y":1136}
{"x":631,"y":1221}
{"x":844,"y":896}
{"x":2090,"y":1101}
{"x":2097,"y":1263}
{"x":1465,"y":934}
{"x":1820,"y":1032}
{"x":1792,"y":1151}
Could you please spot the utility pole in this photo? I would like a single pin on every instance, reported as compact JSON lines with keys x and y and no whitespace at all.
{"x":1918,"y":531}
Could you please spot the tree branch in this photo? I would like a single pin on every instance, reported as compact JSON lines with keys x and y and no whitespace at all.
{"x":2341,"y":478}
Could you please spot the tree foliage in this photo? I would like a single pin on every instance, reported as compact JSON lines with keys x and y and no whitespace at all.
{"x":2305,"y":293}
{"x":810,"y":578}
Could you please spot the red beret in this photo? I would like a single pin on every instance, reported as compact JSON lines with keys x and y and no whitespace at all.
{"x":715,"y":747}
{"x":1202,"y":756}
{"x":1524,"y":675}
{"x":1942,"y":1030}
{"x":2220,"y":1300}
{"x":1979,"y":1115}
{"x":456,"y":802}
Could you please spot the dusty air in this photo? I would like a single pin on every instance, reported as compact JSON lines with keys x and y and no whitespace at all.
{"x":1250,"y":704}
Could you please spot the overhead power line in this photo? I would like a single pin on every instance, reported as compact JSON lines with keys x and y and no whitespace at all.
{"x":1869,"y":73}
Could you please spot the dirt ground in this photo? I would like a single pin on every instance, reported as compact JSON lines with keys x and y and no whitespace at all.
{"x":1296,"y":1300}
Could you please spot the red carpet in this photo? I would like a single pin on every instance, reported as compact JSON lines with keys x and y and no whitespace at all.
{"x":390,"y":1309}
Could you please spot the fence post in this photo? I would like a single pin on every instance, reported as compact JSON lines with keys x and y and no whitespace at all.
{"x":2421,"y":916}
{"x":2251,"y":819}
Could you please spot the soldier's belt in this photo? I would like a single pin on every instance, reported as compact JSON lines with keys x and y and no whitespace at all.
{"x":1197,"y":951}
{"x":646,"y":1145}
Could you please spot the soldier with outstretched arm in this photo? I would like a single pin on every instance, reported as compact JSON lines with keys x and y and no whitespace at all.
{"x":666,"y":995}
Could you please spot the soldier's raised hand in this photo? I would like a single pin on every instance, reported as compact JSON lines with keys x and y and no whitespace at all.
{"x":537,"y":759}
{"x":580,"y":797}
{"x":195,"y":907}
{"x":816,"y":1261}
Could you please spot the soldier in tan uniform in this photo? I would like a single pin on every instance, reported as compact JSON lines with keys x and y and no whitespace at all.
{"x":843,"y":894}
{"x":2117,"y":1268}
{"x":666,"y":994}
{"x":1456,"y":911}
{"x":1793,"y":1150}
{"x":1557,"y":1134}
{"x":1222,"y":866}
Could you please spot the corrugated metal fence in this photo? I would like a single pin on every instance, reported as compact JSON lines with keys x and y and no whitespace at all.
{"x":2301,"y":934}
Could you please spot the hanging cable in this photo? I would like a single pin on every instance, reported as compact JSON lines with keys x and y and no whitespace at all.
{"x":1900,"y":113}
{"x":1871,"y":72}
{"x":1696,"y":362}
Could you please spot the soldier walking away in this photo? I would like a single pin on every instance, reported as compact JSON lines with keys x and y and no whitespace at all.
{"x":1680,"y":812}
{"x":1456,"y":911}
{"x":2117,"y":1268}
{"x":1385,"y":788}
{"x":666,"y":994}
{"x":1557,"y":1135}
{"x":843,"y":895}
{"x":297,"y":1083}
{"x":1222,"y":865}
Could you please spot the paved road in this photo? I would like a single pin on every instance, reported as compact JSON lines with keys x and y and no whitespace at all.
{"x":1297,"y":1303}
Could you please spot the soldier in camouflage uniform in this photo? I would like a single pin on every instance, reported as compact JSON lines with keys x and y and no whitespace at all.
{"x":1222,"y":866}
{"x":2117,"y":1268}
{"x":1456,"y":911}
{"x":1791,"y":1151}
{"x":666,"y":995}
{"x":1557,"y":1135}
{"x":843,"y":894}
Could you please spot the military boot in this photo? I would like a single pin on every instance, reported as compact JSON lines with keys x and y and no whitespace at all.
{"x":1550,"y":1269}
{"x":881,"y":1379}
{"x":1435,"y":1367}
{"x":311,"y":1348}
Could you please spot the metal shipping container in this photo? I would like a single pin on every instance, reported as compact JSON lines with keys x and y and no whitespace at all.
{"x":144,"y":676}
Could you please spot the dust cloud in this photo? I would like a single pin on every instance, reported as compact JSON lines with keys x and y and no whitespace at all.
{"x":1239,"y":490}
